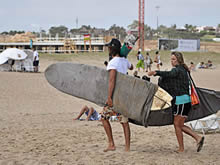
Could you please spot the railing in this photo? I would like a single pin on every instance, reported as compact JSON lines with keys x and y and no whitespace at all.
{"x":74,"y":39}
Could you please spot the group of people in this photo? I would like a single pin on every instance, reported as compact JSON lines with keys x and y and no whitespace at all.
{"x":175,"y":82}
{"x":207,"y":65}
{"x":201,"y":65}
{"x":146,"y":63}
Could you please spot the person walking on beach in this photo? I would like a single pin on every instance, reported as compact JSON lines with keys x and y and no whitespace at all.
{"x":35,"y":60}
{"x":140,"y":63}
{"x":147,"y":62}
{"x":157,"y":60}
{"x":117,"y":64}
{"x":176,"y":83}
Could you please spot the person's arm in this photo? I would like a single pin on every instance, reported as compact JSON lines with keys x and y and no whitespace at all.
{"x":172,"y":73}
{"x":111,"y":86}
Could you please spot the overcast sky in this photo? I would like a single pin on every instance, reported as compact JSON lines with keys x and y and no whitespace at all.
{"x":33,"y":15}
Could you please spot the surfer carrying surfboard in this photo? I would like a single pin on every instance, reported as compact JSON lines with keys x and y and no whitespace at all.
{"x":117,"y":64}
{"x":176,"y":83}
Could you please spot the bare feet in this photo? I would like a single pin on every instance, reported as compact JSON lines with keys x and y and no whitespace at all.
{"x":109,"y":149}
{"x":75,"y":119}
{"x":127,"y":149}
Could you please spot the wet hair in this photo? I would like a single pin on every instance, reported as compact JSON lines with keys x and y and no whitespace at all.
{"x":180,"y":59}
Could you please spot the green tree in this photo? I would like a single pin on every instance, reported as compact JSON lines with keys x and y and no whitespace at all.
{"x":60,"y":30}
{"x":117,"y":31}
{"x":134,"y":25}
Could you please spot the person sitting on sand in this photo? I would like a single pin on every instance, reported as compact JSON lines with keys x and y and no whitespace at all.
{"x":209,"y":64}
{"x":91,"y":113}
{"x":192,"y":67}
{"x":201,"y":65}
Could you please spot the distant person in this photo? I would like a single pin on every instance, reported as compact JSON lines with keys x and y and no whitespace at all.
{"x":106,"y":63}
{"x":91,"y":114}
{"x":157,"y":60}
{"x":136,"y":74}
{"x":35,"y":60}
{"x":201,"y":65}
{"x":147,"y":62}
{"x":192,"y":66}
{"x":11,"y":63}
{"x":140,"y":63}
{"x":209,"y":65}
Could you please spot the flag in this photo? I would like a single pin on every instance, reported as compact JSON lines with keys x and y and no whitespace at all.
{"x":87,"y":37}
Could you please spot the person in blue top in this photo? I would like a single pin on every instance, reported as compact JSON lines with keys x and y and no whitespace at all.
{"x":91,"y":114}
{"x":140,"y":63}
{"x":176,"y":83}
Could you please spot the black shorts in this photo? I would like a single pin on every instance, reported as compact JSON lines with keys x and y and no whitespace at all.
{"x":36,"y":63}
{"x":181,"y":109}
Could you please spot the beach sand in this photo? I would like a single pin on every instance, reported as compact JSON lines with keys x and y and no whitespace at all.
{"x":36,"y":127}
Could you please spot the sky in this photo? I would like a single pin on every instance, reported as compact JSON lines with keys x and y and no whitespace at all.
{"x":36,"y":15}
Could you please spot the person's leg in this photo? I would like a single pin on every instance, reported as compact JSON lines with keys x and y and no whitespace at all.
{"x":190,"y":132}
{"x":108,"y":131}
{"x":91,"y":110}
{"x":83,"y":110}
{"x":158,"y":66}
{"x":127,"y":134}
{"x":178,"y":124}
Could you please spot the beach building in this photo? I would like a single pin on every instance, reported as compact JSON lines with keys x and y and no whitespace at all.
{"x":77,"y":43}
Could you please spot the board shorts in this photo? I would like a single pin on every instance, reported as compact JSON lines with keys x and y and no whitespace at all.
{"x":95,"y":115}
{"x":107,"y":112}
{"x":35,"y":63}
{"x":181,"y":109}
{"x":140,"y":64}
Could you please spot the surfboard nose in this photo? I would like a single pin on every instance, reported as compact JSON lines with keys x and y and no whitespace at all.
{"x":51,"y":74}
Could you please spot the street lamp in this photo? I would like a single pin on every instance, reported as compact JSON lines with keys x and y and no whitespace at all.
{"x":157,"y":8}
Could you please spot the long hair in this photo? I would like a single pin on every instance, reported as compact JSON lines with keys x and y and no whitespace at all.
{"x":180,"y":59}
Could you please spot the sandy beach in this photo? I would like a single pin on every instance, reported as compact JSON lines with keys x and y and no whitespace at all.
{"x":36,"y":127}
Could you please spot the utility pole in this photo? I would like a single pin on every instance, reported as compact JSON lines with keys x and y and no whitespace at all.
{"x":141,"y":25}
{"x":76,"y":22}
{"x":157,"y":8}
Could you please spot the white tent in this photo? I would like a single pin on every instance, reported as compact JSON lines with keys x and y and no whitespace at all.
{"x":206,"y":124}
{"x":16,"y":59}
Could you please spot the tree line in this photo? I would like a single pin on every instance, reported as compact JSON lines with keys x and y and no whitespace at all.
{"x":189,"y":31}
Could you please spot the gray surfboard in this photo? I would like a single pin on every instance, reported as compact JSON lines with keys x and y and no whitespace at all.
{"x":134,"y":98}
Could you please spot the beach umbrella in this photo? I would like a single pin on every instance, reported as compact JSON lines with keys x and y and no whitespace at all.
{"x":14,"y":53}
{"x":3,"y":59}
